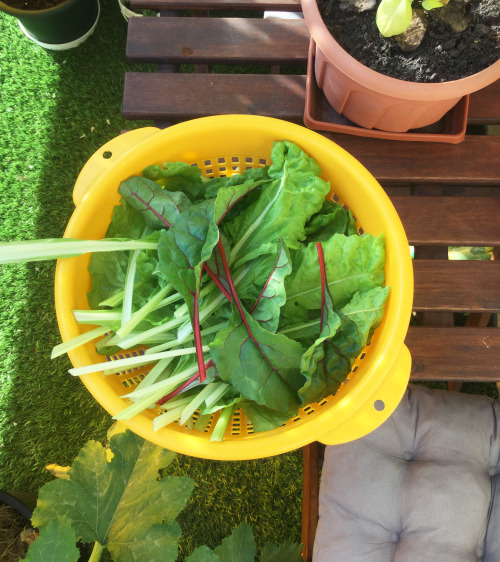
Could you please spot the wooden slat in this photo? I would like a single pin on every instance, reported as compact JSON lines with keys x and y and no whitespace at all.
{"x":475,"y":220}
{"x":466,"y":354}
{"x":281,"y":5}
{"x":484,"y":106}
{"x":460,"y":286}
{"x":475,"y":160}
{"x":310,"y":498}
{"x":178,"y":97}
{"x":217,"y":40}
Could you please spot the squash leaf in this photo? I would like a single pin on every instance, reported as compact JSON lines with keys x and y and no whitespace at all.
{"x":288,"y":551}
{"x":56,"y":543}
{"x":121,"y":504}
{"x":240,"y":547}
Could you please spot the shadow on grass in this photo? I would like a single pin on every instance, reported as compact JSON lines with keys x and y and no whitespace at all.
{"x":66,"y":106}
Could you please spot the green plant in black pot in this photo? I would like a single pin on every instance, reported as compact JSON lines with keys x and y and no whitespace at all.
{"x":54,"y":24}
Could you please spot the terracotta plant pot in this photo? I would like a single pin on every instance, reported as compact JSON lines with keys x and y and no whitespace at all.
{"x":62,"y":27}
{"x":376,"y":101}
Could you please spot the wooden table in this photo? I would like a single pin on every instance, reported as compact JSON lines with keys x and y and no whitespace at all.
{"x":446,"y":194}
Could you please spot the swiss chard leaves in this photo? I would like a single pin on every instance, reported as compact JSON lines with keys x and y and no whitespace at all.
{"x":159,"y":207}
{"x":177,"y":176}
{"x":264,"y":367}
{"x":353,"y":263}
{"x":331,"y":219}
{"x":108,"y":269}
{"x":285,"y":204}
{"x":266,"y":309}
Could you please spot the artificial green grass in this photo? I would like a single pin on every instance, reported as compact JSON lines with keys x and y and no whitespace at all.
{"x":56,"y":110}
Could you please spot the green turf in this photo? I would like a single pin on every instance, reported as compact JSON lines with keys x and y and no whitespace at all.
{"x":56,"y":110}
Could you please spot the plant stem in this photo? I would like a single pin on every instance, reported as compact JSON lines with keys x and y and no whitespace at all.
{"x":96,"y":552}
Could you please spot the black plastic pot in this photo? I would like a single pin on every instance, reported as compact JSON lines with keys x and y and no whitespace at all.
{"x":62,"y":27}
{"x":23,"y":502}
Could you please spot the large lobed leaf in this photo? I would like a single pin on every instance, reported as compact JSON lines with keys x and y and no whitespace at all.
{"x":55,"y":544}
{"x":121,"y":504}
{"x":240,"y":547}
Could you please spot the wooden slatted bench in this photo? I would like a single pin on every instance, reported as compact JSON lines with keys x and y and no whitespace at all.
{"x":446,"y":194}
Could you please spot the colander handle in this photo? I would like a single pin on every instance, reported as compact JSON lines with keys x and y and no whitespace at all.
{"x":378,"y":407}
{"x":106,"y":157}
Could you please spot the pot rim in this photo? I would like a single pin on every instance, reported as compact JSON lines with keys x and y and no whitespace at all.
{"x":387,"y":85}
{"x":19,"y":13}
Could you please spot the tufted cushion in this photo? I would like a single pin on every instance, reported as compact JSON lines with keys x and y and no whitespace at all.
{"x":423,"y":487}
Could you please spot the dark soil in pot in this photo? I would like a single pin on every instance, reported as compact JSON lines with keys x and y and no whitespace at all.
{"x":444,"y":54}
{"x":16,"y":534}
{"x":33,"y":4}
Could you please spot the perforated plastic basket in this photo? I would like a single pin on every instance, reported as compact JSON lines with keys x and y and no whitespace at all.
{"x":226,"y":145}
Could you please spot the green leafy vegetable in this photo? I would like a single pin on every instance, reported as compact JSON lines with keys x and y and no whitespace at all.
{"x":119,"y":504}
{"x":159,"y":208}
{"x":240,"y":546}
{"x":55,"y":544}
{"x":394,"y":16}
{"x":252,"y":291}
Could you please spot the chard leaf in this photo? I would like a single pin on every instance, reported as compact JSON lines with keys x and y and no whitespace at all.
{"x":120,"y":503}
{"x":262,"y":366}
{"x":366,"y":310}
{"x":159,"y":208}
{"x":180,"y":249}
{"x":259,"y":175}
{"x":264,"y":418}
{"x":227,"y":197}
{"x":266,"y":309}
{"x":285,"y":204}
{"x":56,"y":543}
{"x":177,"y":176}
{"x":108,"y":269}
{"x":331,"y":219}
{"x":353,"y":263}
{"x":328,"y":361}
{"x":125,"y":222}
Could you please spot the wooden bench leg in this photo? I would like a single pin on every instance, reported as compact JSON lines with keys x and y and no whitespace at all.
{"x":310,"y":498}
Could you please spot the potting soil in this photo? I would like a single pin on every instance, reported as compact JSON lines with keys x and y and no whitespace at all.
{"x":443,"y":55}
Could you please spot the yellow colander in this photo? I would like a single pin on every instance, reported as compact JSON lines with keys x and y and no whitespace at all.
{"x":225,"y":145}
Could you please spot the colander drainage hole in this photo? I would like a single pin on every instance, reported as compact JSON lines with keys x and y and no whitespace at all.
{"x":379,"y":405}
{"x":107,"y":155}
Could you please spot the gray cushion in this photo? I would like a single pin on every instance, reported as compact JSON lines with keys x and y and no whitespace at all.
{"x":425,"y":486}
